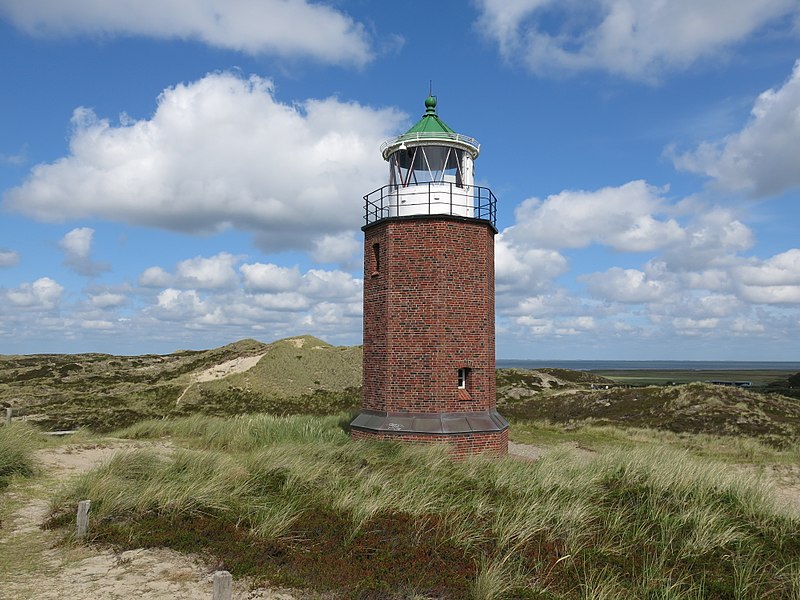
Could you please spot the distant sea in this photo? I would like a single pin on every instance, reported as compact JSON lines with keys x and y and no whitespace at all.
{"x":659,"y":365}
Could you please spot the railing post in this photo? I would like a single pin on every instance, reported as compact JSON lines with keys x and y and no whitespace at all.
{"x":9,"y":413}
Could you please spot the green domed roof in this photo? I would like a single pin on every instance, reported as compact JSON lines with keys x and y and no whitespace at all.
{"x":430,"y":121}
{"x":431,"y":130}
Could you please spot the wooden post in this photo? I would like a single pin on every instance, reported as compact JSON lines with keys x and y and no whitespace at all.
{"x":9,"y":412}
{"x":83,"y":517}
{"x":223,"y":585}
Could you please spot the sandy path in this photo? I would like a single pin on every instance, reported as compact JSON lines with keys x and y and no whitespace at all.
{"x":38,"y":567}
{"x":240,"y":364}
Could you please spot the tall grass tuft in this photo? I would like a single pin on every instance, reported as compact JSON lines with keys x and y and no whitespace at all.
{"x":292,"y":499}
{"x":17,"y":446}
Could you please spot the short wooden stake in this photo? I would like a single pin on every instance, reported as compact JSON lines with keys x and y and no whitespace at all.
{"x":223,"y":585}
{"x":9,"y":412}
{"x":83,"y":517}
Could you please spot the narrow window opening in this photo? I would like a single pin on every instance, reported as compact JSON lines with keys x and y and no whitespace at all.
{"x":376,"y":259}
{"x":462,"y":378}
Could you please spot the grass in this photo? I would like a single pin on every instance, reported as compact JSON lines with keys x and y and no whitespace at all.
{"x":300,"y":375}
{"x":17,"y":445}
{"x":602,"y":438}
{"x":693,"y":408}
{"x":293,"y":501}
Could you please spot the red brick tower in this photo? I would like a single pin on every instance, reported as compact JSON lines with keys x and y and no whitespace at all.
{"x":429,"y":370}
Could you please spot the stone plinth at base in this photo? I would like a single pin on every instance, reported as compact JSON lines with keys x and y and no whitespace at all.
{"x":493,"y":443}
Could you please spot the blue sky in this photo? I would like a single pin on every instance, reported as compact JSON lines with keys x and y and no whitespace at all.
{"x":182,"y":174}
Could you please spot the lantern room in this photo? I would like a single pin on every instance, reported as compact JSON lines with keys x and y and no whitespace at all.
{"x":431,"y":171}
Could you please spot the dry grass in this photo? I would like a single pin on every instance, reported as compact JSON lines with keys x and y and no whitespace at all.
{"x":307,"y":506}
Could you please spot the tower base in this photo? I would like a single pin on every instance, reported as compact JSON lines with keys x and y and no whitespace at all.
{"x":467,"y":434}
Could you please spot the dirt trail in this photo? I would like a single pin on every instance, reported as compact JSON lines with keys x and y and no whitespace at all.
{"x":38,"y":567}
{"x":240,"y":364}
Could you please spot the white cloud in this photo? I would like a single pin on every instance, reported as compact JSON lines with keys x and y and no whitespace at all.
{"x":97,"y":324}
{"x":686,"y":325}
{"x":781,"y":269}
{"x":107,"y":300}
{"x":627,"y":285}
{"x":633,"y":38}
{"x":262,"y":277}
{"x":207,"y":273}
{"x":763,"y":159}
{"x":772,"y":281}
{"x":220,"y":152}
{"x":525,"y":270}
{"x":174,"y":304}
{"x":712,"y":239}
{"x":200,"y":272}
{"x":155,"y":277}
{"x":43,"y":294}
{"x":9,"y":258}
{"x":77,"y":247}
{"x":341,"y":249}
{"x":623,"y":218}
{"x":297,"y":28}
{"x":771,"y":294}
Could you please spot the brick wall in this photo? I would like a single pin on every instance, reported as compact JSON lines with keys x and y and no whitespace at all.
{"x":429,"y":311}
{"x":461,"y":445}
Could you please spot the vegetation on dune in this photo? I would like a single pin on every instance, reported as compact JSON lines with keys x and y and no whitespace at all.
{"x":294,"y":368}
{"x":103,"y":392}
{"x":292,"y":501}
{"x":17,"y":444}
{"x":694,"y":408}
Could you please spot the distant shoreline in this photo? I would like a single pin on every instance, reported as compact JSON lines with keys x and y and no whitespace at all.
{"x":642,"y":365}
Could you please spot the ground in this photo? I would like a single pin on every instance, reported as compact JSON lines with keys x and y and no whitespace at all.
{"x":35,"y":564}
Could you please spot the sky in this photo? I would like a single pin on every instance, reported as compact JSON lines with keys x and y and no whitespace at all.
{"x":181,"y":174}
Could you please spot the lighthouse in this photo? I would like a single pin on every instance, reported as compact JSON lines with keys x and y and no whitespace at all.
{"x":429,"y":349}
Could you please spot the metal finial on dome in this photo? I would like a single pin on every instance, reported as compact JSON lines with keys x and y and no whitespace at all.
{"x":430,"y":105}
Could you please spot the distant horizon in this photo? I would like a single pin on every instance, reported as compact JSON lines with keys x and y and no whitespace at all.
{"x":553,"y":362}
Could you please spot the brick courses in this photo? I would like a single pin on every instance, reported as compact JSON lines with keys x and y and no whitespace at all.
{"x":429,"y":311}
{"x":460,"y":445}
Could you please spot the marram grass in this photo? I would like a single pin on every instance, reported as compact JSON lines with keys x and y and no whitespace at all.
{"x":294,"y":501}
{"x":17,"y":445}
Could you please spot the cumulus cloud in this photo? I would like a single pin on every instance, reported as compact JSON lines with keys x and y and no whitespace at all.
{"x":270,"y":277}
{"x":763,"y":158}
{"x":695,"y":277}
{"x":638,"y":40}
{"x":627,"y":218}
{"x":627,"y":285}
{"x":223,"y":293}
{"x":341,"y":249}
{"x":200,"y":272}
{"x":77,"y":247}
{"x":8,"y":258}
{"x":712,"y":239}
{"x":297,"y":29}
{"x":42,"y":294}
{"x":772,"y":281}
{"x":218,"y":153}
{"x":107,"y":300}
